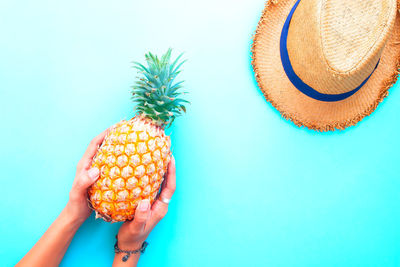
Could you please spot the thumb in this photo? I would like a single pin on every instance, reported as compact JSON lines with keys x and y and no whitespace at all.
{"x":142,"y":214}
{"x":90,"y":177}
{"x":93,"y":174}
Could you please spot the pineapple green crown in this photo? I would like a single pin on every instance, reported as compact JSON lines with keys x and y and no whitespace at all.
{"x":156,"y":92}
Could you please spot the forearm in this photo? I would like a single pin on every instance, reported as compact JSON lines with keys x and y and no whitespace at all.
{"x":51,"y":247}
{"x":131,"y":262}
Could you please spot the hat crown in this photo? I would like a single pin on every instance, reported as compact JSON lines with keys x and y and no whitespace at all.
{"x":287,"y":46}
{"x":334,"y":45}
{"x":350,"y":29}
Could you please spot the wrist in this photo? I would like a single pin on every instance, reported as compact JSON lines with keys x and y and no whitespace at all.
{"x":127,"y":255}
{"x":72,"y":215}
{"x":130,"y":245}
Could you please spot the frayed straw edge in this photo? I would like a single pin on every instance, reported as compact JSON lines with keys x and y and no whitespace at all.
{"x":384,"y":92}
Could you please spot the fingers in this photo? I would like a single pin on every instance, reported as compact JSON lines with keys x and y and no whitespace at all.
{"x":169,"y":185}
{"x":92,"y":149}
{"x":142,"y":214}
{"x":159,"y":209}
{"x":87,"y":179}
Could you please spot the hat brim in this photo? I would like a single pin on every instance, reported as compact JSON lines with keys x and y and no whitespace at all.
{"x":301,"y":109}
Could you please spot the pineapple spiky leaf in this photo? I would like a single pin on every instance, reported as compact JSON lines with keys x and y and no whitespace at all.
{"x":156,"y":93}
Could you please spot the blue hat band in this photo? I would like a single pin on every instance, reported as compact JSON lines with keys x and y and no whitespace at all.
{"x":296,"y":81}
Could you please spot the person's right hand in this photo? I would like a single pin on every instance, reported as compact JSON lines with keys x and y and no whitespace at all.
{"x":133,"y":233}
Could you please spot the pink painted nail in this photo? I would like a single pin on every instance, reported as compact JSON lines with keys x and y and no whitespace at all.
{"x":144,"y":205}
{"x":93,"y":173}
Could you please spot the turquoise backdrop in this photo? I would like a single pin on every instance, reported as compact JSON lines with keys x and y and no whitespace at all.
{"x":252,"y":188}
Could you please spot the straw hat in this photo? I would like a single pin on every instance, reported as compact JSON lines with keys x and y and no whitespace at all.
{"x":326,"y":64}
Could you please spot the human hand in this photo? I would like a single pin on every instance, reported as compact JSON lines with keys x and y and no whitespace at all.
{"x":133,"y":233}
{"x":85,"y":176}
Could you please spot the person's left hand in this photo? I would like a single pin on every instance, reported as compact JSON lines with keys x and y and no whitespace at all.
{"x":85,"y":176}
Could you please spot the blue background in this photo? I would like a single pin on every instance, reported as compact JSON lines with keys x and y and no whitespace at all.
{"x":252,"y":188}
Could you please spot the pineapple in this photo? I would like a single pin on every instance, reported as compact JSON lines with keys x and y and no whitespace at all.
{"x":134,"y":155}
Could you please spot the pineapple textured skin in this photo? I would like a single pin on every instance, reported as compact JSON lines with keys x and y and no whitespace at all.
{"x":132,"y":160}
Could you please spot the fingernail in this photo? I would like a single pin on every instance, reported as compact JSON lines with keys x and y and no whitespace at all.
{"x":93,"y":173}
{"x":144,"y":205}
